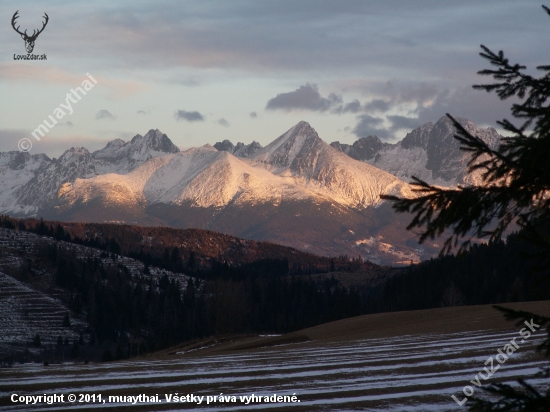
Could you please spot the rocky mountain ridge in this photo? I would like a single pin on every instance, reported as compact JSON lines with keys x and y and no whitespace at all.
{"x":429,"y":152}
{"x":31,"y":181}
{"x":238,"y":150}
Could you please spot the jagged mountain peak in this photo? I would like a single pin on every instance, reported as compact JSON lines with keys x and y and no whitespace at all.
{"x":445,"y":125}
{"x":74,"y":154}
{"x":419,"y":137}
{"x":110,"y":148}
{"x":115,"y":144}
{"x":296,"y":143}
{"x":17,"y":160}
{"x":44,"y":179}
{"x":240,"y":149}
{"x":298,"y":179}
{"x":364,"y":148}
{"x":299,"y":132}
{"x":446,"y":120}
{"x":122,"y":157}
{"x":224,"y":146}
{"x":279,"y":153}
{"x":429,"y":152}
{"x":153,"y":141}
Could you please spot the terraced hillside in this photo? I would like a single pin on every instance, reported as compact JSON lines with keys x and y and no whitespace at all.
{"x":26,"y":312}
{"x":30,"y":302}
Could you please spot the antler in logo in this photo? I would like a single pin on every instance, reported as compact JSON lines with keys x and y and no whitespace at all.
{"x":29,"y":40}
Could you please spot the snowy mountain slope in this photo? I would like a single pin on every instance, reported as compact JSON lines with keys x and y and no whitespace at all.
{"x":202,"y":176}
{"x":31,"y":182}
{"x":298,"y":191}
{"x":296,"y":166}
{"x":74,"y":163}
{"x":429,"y":152}
{"x":122,"y":157}
{"x":16,"y":169}
{"x":312,"y":163}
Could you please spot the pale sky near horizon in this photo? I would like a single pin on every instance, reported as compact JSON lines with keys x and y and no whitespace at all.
{"x":205,"y":71}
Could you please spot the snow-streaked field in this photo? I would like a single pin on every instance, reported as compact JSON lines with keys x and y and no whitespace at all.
{"x":408,"y":373}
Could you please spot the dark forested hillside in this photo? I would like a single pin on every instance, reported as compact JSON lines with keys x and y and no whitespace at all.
{"x":129,"y":311}
{"x":487,"y":273}
{"x":117,"y":303}
{"x":195,"y":247}
{"x":216,"y":285}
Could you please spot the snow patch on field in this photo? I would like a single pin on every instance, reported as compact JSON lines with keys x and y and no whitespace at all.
{"x":407,"y":373}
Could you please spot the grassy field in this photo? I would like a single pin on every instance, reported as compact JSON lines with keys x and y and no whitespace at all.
{"x":402,"y":361}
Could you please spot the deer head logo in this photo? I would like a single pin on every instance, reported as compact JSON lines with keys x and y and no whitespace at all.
{"x":29,"y":40}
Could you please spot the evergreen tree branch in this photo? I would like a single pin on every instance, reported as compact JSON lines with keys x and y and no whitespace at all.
{"x":522,"y":316}
{"x":524,"y":398}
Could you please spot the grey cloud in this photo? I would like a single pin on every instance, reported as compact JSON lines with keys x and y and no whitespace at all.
{"x":478,"y":106}
{"x":188,"y":116}
{"x":413,"y":92}
{"x":284,"y":36}
{"x":403,"y":122}
{"x":104,"y":114}
{"x":306,"y":97}
{"x":223,"y":122}
{"x":429,"y":101}
{"x":353,"y":107}
{"x":368,"y":125}
{"x":482,"y":108}
{"x":253,"y":115}
{"x":394,"y":92}
{"x":377,"y":105}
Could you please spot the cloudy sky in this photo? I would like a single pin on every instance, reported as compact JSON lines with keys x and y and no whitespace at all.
{"x":204,"y":71}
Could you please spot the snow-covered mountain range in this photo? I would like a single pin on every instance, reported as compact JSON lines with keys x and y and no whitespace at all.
{"x":298,"y":190}
{"x":29,"y":183}
{"x":429,"y":152}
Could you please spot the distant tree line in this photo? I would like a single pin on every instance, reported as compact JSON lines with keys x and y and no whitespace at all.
{"x":495,"y":272}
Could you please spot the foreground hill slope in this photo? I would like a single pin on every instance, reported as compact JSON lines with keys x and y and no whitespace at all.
{"x":439,"y":321}
{"x":402,"y":369}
